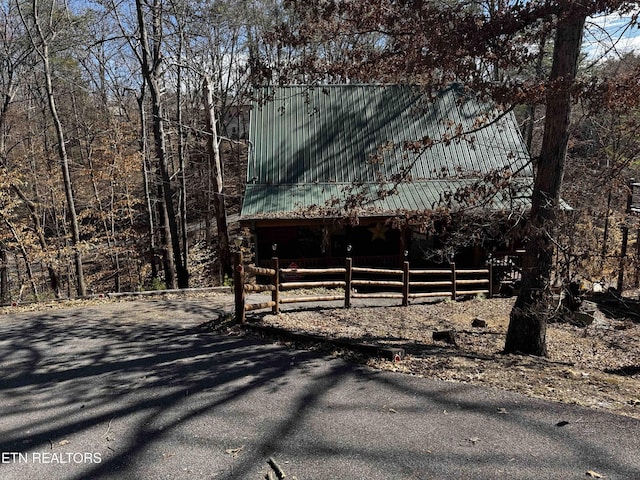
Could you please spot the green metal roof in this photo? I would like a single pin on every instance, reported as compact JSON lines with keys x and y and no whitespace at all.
{"x":308,"y":145}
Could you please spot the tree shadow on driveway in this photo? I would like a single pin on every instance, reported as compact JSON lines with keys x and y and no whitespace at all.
{"x":141,"y":389}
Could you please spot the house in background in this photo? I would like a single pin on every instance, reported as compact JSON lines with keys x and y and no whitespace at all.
{"x":319,"y":158}
{"x":234,"y":123}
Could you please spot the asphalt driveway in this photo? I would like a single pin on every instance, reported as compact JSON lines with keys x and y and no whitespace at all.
{"x":135,"y":390}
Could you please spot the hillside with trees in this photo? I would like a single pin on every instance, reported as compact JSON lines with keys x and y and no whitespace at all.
{"x":123,"y":129}
{"x":107,"y":177}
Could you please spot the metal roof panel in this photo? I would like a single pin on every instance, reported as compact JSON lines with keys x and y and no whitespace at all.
{"x":324,"y":138}
{"x":309,"y":200}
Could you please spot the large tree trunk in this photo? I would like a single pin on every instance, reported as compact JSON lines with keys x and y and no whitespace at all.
{"x":150,"y":68}
{"x":224,"y":252}
{"x":182,"y":153}
{"x":145,"y":177}
{"x":81,"y":288}
{"x":527,"y":326}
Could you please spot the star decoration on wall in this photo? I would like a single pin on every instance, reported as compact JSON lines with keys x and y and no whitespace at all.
{"x":379,"y":231}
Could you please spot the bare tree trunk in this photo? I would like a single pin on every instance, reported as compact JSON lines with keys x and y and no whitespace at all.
{"x":605,"y":235}
{"x":625,"y":240}
{"x":183,"y":188}
{"x":145,"y":176}
{"x":86,"y":156}
{"x":19,"y":53}
{"x":23,"y":253}
{"x":527,"y":327}
{"x":81,"y":288}
{"x":529,"y":127}
{"x":636,"y":278}
{"x":150,"y":69}
{"x":54,"y":278}
{"x":182,"y":154}
{"x":224,"y":252}
{"x":7,"y":98}
{"x":4,"y":275}
{"x":43,"y":52}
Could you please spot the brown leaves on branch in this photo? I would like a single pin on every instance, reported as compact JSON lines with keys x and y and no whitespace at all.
{"x":435,"y":43}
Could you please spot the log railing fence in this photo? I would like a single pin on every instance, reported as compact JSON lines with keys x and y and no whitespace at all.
{"x":409,"y":284}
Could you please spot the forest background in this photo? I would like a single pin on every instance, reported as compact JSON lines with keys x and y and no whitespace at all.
{"x":123,"y":131}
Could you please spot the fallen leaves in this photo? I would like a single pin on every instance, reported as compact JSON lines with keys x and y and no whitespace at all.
{"x":234,"y":451}
{"x":584,"y":366}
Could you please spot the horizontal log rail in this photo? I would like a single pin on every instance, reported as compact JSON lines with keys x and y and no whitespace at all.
{"x":429,"y":294}
{"x":379,"y":283}
{"x":382,"y":271}
{"x":377,"y":295}
{"x":400,"y":284}
{"x":321,"y":298}
{"x":472,"y":282}
{"x":254,"y":287}
{"x":260,"y":270}
{"x":259,"y":306}
{"x":328,"y":284}
{"x":439,"y":271}
{"x":314,"y":271}
{"x":443,"y":283}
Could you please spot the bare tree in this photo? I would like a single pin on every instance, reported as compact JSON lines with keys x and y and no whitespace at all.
{"x":14,"y":58}
{"x":45,"y":31}
{"x":527,"y":328}
{"x":151,"y":62}
{"x":213,"y":144}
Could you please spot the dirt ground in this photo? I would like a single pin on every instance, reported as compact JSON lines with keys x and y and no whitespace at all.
{"x":596,"y":366}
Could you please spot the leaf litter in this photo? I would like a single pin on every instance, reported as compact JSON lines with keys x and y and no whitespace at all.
{"x":596,"y":366}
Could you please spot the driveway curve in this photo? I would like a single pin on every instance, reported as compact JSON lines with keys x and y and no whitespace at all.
{"x":140,"y":390}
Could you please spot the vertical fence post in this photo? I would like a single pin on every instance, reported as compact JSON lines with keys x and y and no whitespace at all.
{"x":405,"y":283}
{"x":490,"y":266}
{"x":623,"y":255}
{"x":636,"y":280}
{"x":238,"y":287}
{"x":275,"y":294}
{"x":453,"y":281}
{"x":625,"y":238}
{"x":347,"y":282}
